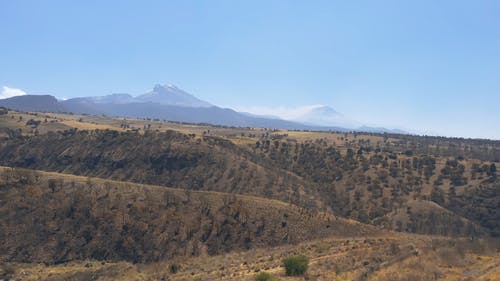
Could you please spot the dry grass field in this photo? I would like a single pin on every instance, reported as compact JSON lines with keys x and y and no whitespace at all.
{"x":389,"y":257}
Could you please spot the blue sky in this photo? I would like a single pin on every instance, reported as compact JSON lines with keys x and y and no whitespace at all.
{"x":429,"y":66}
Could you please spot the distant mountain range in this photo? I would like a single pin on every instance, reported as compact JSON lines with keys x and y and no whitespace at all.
{"x":327,"y":116}
{"x":168,"y":102}
{"x":163,"y":95}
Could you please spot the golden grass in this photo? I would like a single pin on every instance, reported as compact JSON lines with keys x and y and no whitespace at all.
{"x":330,"y":259}
{"x":89,"y":126}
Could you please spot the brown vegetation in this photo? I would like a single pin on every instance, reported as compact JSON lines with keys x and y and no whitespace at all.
{"x":54,"y":218}
{"x":362,"y":182}
{"x":389,"y":257}
{"x":244,"y":200}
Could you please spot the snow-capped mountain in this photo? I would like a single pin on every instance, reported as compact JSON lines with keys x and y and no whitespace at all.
{"x":171,"y":95}
{"x":322,"y":115}
{"x":161,"y":94}
{"x":168,"y":102}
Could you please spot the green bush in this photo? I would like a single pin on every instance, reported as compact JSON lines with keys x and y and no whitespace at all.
{"x":174,"y":268}
{"x":296,"y":265}
{"x":265,"y":276}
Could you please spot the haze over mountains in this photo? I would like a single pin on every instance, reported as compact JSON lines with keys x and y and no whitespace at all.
{"x":168,"y":102}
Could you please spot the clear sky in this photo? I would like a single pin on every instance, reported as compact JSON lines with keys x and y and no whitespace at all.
{"x":430,"y":66}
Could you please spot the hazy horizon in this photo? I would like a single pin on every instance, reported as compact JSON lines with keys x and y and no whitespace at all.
{"x":425,"y":67}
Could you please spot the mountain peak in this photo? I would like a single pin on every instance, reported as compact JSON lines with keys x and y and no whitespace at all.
{"x":170,"y":94}
{"x":324,"y":115}
{"x":160,"y":87}
{"x":322,"y":109}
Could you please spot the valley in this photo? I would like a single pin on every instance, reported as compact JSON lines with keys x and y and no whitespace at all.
{"x":87,"y":197}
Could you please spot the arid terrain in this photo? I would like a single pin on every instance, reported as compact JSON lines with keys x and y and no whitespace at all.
{"x":100,"y":198}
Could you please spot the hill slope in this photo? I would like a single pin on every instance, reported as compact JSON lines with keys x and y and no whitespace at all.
{"x":45,"y":103}
{"x":169,"y":159}
{"x":372,"y":178}
{"x":390,"y":257}
{"x":48,"y":217}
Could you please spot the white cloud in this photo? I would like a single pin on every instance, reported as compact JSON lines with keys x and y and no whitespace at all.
{"x":284,"y":112}
{"x":8,"y":92}
{"x":315,"y":114}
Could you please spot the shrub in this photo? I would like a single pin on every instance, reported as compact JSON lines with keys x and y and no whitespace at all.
{"x":296,"y":265}
{"x":174,"y":268}
{"x":265,"y":276}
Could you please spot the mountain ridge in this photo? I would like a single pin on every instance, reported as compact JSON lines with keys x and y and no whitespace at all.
{"x":168,"y":102}
{"x":171,"y":95}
